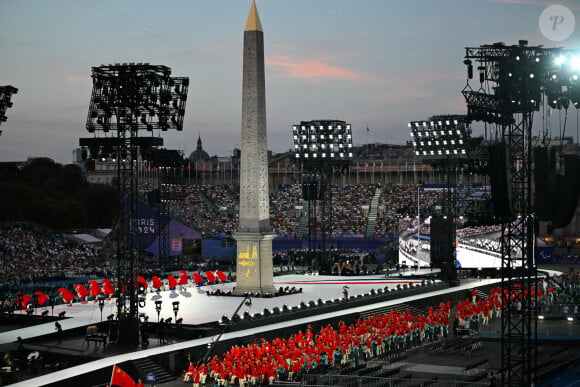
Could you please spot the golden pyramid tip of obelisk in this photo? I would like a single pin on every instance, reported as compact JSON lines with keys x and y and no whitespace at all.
{"x":253,"y":23}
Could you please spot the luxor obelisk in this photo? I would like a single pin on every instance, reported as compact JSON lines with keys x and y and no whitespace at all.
{"x":254,"y":272}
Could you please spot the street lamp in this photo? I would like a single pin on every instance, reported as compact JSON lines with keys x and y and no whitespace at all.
{"x":158,"y":308}
{"x":101,"y":305}
{"x":175,"y":308}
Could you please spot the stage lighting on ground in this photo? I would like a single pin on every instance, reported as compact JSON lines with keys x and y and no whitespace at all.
{"x":311,"y":303}
{"x":569,"y":318}
{"x":247,"y":316}
{"x":276,"y":310}
{"x":540,"y":317}
{"x":285,"y":308}
{"x":267,"y":312}
{"x":44,"y":314}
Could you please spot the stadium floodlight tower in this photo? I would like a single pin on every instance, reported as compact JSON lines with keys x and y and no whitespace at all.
{"x":442,"y":142}
{"x":128,"y":99}
{"x":5,"y":101}
{"x":514,"y":82}
{"x":321,"y":147}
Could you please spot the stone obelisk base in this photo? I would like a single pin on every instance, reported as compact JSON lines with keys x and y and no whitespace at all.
{"x":254,"y":268}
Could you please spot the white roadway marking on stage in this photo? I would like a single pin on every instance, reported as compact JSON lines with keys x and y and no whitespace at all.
{"x":110,"y":361}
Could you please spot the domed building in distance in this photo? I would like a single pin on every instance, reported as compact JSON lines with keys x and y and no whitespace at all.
{"x":198,"y":157}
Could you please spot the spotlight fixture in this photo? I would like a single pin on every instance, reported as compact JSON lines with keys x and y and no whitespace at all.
{"x":441,"y":136}
{"x":322,"y":139}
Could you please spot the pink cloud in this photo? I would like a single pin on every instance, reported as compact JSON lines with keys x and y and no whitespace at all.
{"x":76,"y":78}
{"x":313,"y":68}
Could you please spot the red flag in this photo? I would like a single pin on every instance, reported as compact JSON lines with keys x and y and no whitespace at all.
{"x":157,"y":282}
{"x":172,"y":281}
{"x":182,"y":278}
{"x":42,"y":298}
{"x":95,"y":288}
{"x":108,"y":287}
{"x":197,"y":278}
{"x":210,"y":276}
{"x":141,"y":280}
{"x":220,"y":274}
{"x":121,"y":378}
{"x":66,"y":295}
{"x":82,"y":292}
{"x":26,"y":299}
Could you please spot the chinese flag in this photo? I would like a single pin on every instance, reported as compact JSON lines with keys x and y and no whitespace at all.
{"x":220,"y":274}
{"x":82,"y":292}
{"x":197,"y":278}
{"x":182,"y":278}
{"x":66,"y":295}
{"x":108,"y":287}
{"x":141,"y":280}
{"x":121,"y":378}
{"x":26,"y":299}
{"x":95,"y":288}
{"x":157,"y":282}
{"x":172,"y":281}
{"x":42,"y":298}
{"x":210,"y":276}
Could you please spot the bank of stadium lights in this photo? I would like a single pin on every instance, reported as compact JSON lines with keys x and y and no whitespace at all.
{"x":440,"y":137}
{"x":562,"y":86}
{"x":322,"y":140}
{"x":520,"y":76}
{"x":6,"y":93}
{"x":136,"y":96}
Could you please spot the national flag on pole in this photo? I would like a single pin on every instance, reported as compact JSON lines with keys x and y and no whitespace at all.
{"x":121,"y":378}
{"x":156,"y":282}
{"x":220,"y":274}
{"x":26,"y":299}
{"x":82,"y":292}
{"x":172,"y":281}
{"x":210,"y":276}
{"x":66,"y":295}
{"x":108,"y":287}
{"x":42,"y":298}
{"x":95,"y":288}
{"x":197,"y":278}
{"x":141,"y":280}
{"x":182,"y":278}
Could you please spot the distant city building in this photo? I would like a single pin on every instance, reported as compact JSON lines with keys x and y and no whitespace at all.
{"x":199,"y":155}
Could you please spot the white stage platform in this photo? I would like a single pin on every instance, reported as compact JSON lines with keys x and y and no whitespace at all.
{"x":196,"y":308}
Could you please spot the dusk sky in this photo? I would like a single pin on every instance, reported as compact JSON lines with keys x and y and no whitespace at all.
{"x":375,"y":63}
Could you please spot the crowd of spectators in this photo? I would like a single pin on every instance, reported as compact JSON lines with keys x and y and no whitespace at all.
{"x":334,"y":348}
{"x":213,"y":209}
{"x":31,"y":259}
{"x":403,"y":201}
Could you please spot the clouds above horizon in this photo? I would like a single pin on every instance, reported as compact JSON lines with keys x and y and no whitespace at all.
{"x":315,"y":69}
